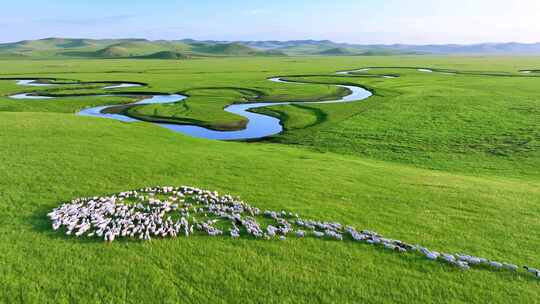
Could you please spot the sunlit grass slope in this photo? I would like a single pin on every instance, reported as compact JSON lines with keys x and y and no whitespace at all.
{"x":447,"y":161}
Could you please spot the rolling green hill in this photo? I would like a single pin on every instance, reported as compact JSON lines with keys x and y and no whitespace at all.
{"x":231,"y":49}
{"x":101,"y":48}
{"x":127,"y":48}
{"x":338,"y":52}
{"x":165,"y":55}
{"x":224,"y":49}
{"x":113,"y":51}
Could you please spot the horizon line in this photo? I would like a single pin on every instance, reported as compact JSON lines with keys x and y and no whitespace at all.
{"x":277,"y":40}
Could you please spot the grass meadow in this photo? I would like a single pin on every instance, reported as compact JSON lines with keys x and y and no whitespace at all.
{"x":449,"y":161}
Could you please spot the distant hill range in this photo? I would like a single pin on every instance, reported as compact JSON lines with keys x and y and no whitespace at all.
{"x":189,"y":48}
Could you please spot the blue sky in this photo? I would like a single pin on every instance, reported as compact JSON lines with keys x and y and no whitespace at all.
{"x":357,"y":21}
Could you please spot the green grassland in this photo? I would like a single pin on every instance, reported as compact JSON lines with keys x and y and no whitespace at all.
{"x":431,"y":121}
{"x":448,"y":161}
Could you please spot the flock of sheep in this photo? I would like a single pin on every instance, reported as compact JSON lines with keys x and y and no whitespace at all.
{"x":161,"y":212}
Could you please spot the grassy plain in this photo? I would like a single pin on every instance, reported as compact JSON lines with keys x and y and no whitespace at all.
{"x":448,"y":161}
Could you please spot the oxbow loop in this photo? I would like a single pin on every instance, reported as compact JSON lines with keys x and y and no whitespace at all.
{"x":161,"y":212}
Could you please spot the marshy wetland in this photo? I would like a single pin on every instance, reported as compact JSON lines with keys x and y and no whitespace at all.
{"x":258,"y":126}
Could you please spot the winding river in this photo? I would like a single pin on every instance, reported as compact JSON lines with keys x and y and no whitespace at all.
{"x":258,"y":126}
